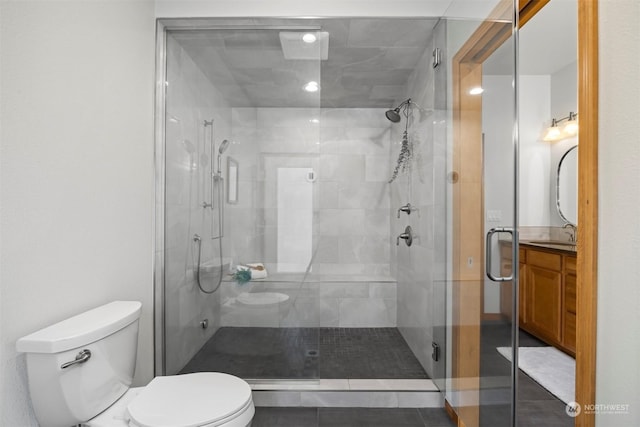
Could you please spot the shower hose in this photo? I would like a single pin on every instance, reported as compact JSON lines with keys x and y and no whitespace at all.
{"x":198,"y":240}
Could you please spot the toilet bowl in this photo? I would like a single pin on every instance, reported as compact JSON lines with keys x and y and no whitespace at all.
{"x":80,"y":372}
{"x":203,"y":399}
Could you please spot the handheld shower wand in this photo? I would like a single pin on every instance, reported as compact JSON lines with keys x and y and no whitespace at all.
{"x":223,"y":147}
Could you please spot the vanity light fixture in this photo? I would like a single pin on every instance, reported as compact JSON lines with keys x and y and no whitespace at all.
{"x":556,"y":133}
{"x":553,"y":132}
{"x":571,"y":127}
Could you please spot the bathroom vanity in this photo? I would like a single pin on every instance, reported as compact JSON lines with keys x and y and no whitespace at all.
{"x":547,"y":299}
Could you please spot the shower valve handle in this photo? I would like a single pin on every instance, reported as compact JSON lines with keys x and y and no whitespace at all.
{"x":406,"y":208}
{"x":407,"y":236}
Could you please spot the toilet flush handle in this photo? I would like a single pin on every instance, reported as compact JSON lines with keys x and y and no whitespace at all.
{"x":81,"y":357}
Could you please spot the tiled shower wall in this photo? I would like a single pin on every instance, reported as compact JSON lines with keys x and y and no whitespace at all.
{"x":420,"y":269}
{"x":191,"y":99}
{"x":348,"y":150}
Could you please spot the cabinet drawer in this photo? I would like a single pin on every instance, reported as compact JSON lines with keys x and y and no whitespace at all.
{"x":570,"y":293}
{"x":523,"y":255}
{"x":545,"y":260}
{"x":569,"y":338}
{"x":570,"y":263}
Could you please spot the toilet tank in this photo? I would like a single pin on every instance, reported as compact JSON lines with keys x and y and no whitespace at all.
{"x":67,"y":396}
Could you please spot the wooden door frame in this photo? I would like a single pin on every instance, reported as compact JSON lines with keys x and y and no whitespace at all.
{"x":468,"y":236}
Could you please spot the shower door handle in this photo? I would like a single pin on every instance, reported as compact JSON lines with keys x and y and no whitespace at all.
{"x":487,"y":254}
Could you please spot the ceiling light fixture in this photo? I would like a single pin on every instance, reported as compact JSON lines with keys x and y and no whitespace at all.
{"x":311,"y":86}
{"x":309,"y":38}
{"x":556,"y":133}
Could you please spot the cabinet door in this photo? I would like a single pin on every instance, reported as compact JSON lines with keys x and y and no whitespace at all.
{"x":569,"y":327}
{"x":522,"y":296}
{"x":506,"y":288}
{"x":544,"y":311}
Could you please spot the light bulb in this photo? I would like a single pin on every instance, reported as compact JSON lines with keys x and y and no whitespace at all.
{"x":309,"y":38}
{"x":553,"y":132}
{"x":311,"y":86}
{"x":570,"y":128}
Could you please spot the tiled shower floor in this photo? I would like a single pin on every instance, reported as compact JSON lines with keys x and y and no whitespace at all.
{"x":308,"y":353}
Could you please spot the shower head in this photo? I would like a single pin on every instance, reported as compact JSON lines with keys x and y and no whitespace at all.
{"x":223,"y":146}
{"x":394,"y":115}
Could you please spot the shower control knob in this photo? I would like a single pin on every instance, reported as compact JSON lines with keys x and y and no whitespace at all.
{"x":406,"y":208}
{"x":407,"y":236}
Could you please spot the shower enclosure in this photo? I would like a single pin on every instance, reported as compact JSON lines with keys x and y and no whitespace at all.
{"x":313,"y":157}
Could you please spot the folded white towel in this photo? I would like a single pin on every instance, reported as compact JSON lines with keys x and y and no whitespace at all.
{"x":258,"y":271}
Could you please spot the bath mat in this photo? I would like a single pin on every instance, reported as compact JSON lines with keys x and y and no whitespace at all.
{"x":549,"y":367}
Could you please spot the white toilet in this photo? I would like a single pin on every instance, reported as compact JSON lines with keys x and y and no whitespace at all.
{"x":80,"y":372}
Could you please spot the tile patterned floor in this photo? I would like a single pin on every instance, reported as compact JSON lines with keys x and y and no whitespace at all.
{"x":297,"y":353}
{"x":536,"y":406}
{"x":366,"y":353}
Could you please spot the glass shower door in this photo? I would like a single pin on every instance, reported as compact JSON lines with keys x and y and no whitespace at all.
{"x":482,"y":216}
{"x":241,"y":148}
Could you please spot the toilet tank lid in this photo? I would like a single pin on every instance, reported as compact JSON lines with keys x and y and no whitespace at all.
{"x":82,"y":329}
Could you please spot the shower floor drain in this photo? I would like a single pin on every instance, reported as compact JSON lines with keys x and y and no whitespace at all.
{"x":312,"y":353}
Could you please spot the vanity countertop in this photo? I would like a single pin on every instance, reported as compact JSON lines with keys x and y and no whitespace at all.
{"x":548,"y":244}
{"x":551,"y":244}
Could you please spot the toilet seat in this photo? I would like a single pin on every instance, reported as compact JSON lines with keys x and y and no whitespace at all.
{"x":191,"y":400}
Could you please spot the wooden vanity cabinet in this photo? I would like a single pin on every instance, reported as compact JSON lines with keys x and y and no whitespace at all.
{"x":544,"y":295}
{"x":506,"y":292}
{"x":547,"y":302}
{"x":569,"y":321}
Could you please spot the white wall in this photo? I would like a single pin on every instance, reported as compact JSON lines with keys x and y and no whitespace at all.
{"x":564,"y":99}
{"x":497,"y":126}
{"x":498,"y":161}
{"x":535,"y":154}
{"x":618,"y":369}
{"x":76,"y":172}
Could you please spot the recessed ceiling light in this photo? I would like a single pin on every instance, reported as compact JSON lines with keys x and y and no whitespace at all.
{"x":476,"y":91}
{"x":309,"y":38}
{"x":311,"y":86}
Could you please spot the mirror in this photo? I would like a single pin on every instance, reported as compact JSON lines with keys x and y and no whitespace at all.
{"x":567,"y":186}
{"x":232,"y":181}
